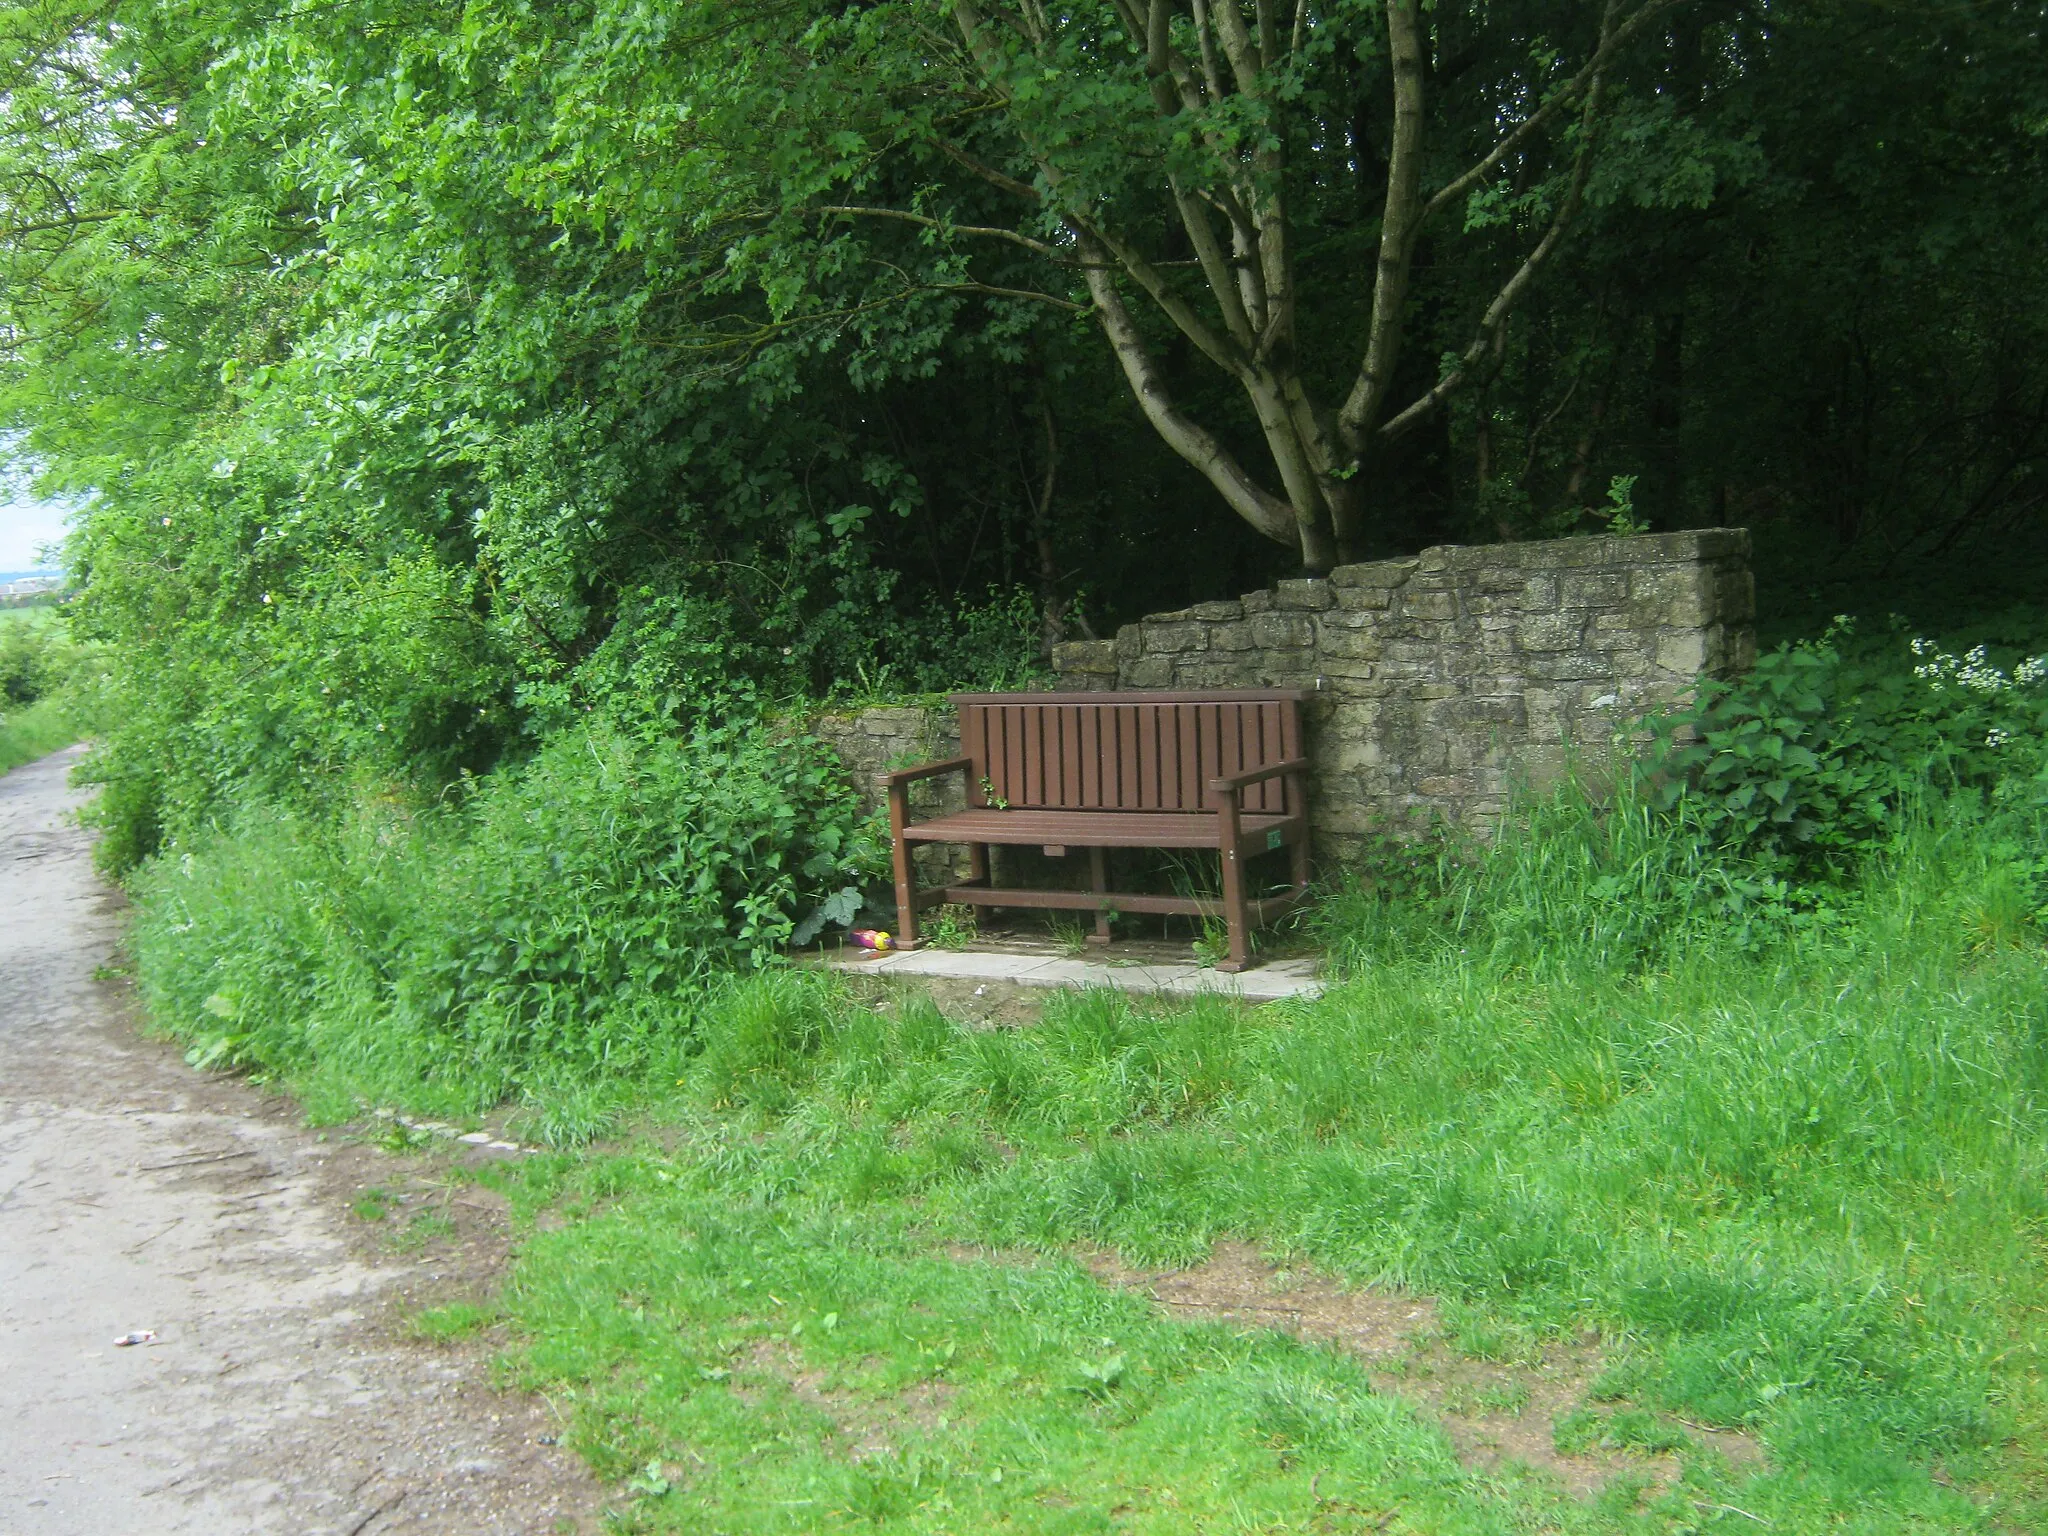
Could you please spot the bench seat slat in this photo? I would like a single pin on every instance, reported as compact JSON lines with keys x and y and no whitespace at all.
{"x":1086,"y":829}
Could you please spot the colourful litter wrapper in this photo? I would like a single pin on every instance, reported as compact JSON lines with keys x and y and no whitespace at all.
{"x":139,"y":1336}
{"x":871,"y":938}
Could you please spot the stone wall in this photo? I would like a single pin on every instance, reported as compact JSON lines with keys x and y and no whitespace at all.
{"x":1443,"y":680}
{"x":874,"y":741}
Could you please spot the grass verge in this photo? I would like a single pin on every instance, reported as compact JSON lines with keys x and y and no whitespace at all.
{"x":35,"y":730}
{"x":828,"y":1273}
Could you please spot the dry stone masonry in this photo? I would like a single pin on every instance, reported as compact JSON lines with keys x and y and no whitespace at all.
{"x":1440,"y":681}
{"x":874,"y":741}
{"x":1443,"y":680}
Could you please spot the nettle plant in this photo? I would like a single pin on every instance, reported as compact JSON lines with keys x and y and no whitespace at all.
{"x":1811,"y":759}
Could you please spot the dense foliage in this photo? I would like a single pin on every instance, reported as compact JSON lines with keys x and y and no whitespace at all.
{"x":549,"y":928}
{"x":1815,"y":758}
{"x":1748,"y":814}
{"x":437,"y":372}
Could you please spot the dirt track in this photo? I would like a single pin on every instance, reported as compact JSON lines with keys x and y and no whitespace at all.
{"x":136,"y":1193}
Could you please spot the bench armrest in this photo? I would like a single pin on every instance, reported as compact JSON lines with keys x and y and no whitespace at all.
{"x":1238,"y":781}
{"x":924,"y":771}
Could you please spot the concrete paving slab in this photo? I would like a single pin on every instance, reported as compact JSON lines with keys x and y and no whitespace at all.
{"x":1271,"y":982}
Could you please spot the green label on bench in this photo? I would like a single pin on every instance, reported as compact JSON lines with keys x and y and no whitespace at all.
{"x":1274,"y":839}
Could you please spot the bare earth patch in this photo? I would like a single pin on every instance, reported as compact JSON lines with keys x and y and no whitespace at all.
{"x":1496,"y":1413}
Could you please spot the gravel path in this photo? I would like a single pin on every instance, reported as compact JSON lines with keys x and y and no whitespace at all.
{"x":135,"y":1193}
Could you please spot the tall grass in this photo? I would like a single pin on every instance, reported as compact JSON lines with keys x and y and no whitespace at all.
{"x":36,"y":730}
{"x":552,"y":933}
{"x":1800,"y":1187}
{"x":1787,"y":1150}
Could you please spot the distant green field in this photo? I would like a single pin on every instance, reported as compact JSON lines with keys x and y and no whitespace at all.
{"x":41,"y":613}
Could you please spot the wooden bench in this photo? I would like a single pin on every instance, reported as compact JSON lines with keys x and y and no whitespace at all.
{"x":1221,"y":770}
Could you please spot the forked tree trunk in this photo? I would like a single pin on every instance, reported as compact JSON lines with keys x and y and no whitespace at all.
{"x":1320,"y":456}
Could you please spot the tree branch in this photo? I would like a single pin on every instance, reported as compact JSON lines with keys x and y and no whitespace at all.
{"x":71,"y":222}
{"x":1216,"y":268}
{"x":924,"y":221}
{"x":1399,"y":225}
{"x":1271,"y":516}
{"x":1512,"y":290}
{"x":1536,"y":120}
{"x":1238,"y":47}
{"x":1205,"y":35}
{"x":987,"y":173}
{"x":1033,"y":294}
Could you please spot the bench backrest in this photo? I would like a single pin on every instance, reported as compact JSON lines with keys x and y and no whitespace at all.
{"x":1127,"y":751}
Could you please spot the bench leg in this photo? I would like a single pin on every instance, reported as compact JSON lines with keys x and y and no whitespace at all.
{"x":1236,"y":912}
{"x":1098,"y":875}
{"x":1298,"y":855}
{"x":905,"y":936}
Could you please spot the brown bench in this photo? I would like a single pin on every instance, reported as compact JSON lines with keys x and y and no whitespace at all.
{"x":1221,"y":770}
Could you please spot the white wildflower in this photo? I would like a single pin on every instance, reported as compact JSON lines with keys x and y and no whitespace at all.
{"x":1972,"y":670}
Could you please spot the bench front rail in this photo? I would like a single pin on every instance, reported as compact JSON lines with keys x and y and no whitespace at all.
{"x":1220,"y":771}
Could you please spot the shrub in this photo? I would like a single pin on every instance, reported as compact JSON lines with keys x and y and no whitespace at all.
{"x":1759,"y":804}
{"x":560,"y":924}
{"x":36,"y":657}
{"x":1809,"y":762}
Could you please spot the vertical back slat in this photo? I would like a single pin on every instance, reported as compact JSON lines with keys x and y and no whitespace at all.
{"x":1013,"y":754}
{"x":1126,"y":758}
{"x":1031,"y":726}
{"x":1055,"y":754}
{"x":1229,"y":752}
{"x":1270,"y":752}
{"x":992,"y":726}
{"x":974,"y":747}
{"x":1148,"y":756}
{"x":1089,"y":731}
{"x":1072,"y":756}
{"x":1209,"y":733}
{"x":1187,"y":759}
{"x":1288,"y":730}
{"x":1250,"y":720}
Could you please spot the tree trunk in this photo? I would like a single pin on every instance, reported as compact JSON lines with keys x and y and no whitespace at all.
{"x":1052,"y":603}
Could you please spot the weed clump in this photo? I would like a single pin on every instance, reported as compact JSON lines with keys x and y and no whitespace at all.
{"x":557,"y":934}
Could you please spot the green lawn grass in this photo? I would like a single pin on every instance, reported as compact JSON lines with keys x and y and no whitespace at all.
{"x":30,"y":731}
{"x":1803,"y":1195}
{"x":825,"y":1271}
